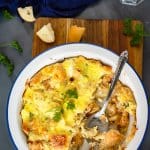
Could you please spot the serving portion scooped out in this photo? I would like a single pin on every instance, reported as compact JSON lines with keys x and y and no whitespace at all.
{"x":99,"y":119}
{"x":60,"y":97}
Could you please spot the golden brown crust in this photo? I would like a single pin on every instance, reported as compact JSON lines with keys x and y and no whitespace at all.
{"x":92,"y":108}
{"x":58,"y":140}
{"x":124,"y":120}
{"x":111,"y":139}
{"x":45,"y":98}
{"x":35,"y":145}
{"x":77,"y":141}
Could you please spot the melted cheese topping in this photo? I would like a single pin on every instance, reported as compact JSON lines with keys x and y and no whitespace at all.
{"x":56,"y":95}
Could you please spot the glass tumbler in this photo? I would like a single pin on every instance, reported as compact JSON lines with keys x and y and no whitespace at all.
{"x":131,"y":2}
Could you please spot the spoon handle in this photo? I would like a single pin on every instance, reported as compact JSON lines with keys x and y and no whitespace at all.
{"x":122,"y":60}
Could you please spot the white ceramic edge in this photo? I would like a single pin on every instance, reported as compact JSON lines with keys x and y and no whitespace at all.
{"x":69,"y":50}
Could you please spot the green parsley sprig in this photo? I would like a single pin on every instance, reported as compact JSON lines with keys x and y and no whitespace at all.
{"x":70,"y":105}
{"x":58,"y":114}
{"x":127,"y":30}
{"x":69,"y":96}
{"x":7,"y":63}
{"x":5,"y":60}
{"x":137,"y":33}
{"x":7,"y":15}
{"x":13,"y":44}
{"x":71,"y":93}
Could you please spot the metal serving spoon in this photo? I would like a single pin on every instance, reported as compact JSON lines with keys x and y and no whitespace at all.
{"x":94,"y":120}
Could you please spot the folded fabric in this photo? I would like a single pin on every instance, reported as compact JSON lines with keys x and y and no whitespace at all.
{"x":48,"y":8}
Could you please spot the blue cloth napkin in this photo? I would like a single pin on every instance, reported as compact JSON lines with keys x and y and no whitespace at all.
{"x":48,"y":8}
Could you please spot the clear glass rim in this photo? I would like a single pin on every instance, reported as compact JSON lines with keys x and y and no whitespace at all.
{"x":131,"y":2}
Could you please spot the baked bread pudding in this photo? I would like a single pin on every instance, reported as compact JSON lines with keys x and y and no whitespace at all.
{"x":60,"y":97}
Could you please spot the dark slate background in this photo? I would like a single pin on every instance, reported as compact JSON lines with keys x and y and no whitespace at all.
{"x":22,"y":31}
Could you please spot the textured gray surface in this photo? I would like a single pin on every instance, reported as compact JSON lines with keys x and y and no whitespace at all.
{"x":15,"y":29}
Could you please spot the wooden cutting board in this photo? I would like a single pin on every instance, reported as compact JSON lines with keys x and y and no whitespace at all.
{"x":106,"y":33}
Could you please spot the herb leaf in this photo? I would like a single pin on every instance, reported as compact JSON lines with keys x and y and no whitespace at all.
{"x":15,"y":44}
{"x":72,"y":93}
{"x":6,"y":14}
{"x":7,"y":63}
{"x":31,"y":115}
{"x":57,"y":114}
{"x":127,"y":30}
{"x":126,"y":105}
{"x":138,"y":35}
{"x":70,"y":105}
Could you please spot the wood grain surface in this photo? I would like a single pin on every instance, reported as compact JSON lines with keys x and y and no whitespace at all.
{"x":106,"y":33}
